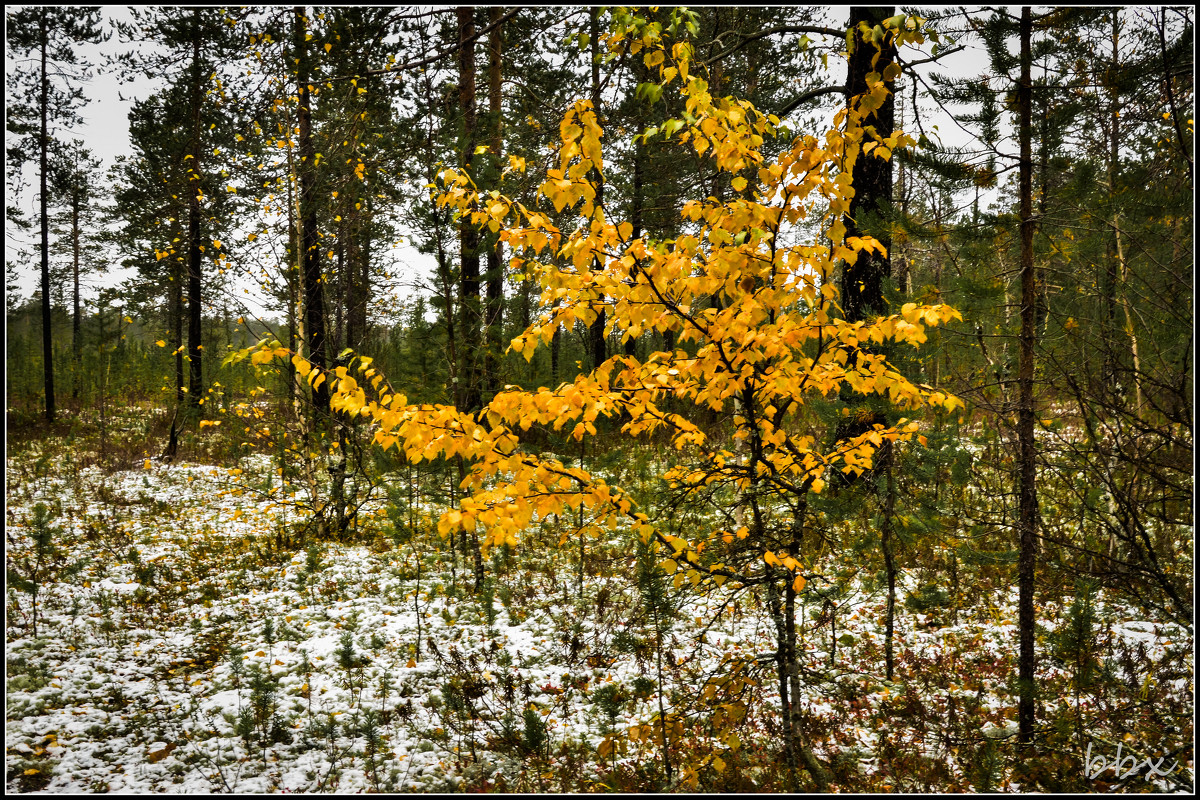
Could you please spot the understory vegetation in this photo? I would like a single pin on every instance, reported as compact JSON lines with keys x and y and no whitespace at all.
{"x":190,"y":637}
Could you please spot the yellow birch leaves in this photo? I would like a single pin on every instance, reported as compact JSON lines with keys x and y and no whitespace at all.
{"x":747,"y":289}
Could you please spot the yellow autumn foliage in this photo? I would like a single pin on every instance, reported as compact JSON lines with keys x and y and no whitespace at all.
{"x":750,"y":300}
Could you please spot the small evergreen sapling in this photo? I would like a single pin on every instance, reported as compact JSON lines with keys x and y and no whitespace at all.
{"x":31,"y":570}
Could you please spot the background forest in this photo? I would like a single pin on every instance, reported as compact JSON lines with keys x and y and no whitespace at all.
{"x":601,"y":399}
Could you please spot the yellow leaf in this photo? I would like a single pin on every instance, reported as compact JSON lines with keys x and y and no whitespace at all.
{"x":328,"y":47}
{"x":161,"y":343}
{"x":739,"y":184}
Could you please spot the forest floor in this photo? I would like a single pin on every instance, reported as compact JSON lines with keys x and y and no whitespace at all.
{"x":182,"y":644}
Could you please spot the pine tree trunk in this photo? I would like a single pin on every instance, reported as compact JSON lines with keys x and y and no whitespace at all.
{"x":358,"y":286}
{"x":313,"y":285}
{"x":889,"y":563}
{"x":195,"y":384}
{"x":495,"y":257}
{"x":862,"y":281}
{"x":1108,"y":283}
{"x":177,"y":331}
{"x":295,"y":335}
{"x":468,"y":236}
{"x":598,"y":349}
{"x":43,"y":203}
{"x":1027,"y":487}
{"x":637,"y":201}
{"x":76,"y":338}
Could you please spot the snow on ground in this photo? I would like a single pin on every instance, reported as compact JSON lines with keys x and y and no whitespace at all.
{"x":178,"y":650}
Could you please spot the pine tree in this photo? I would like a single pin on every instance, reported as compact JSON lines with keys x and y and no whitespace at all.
{"x":47,"y":35}
{"x":78,"y":237}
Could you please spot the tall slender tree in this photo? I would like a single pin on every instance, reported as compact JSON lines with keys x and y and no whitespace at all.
{"x":310,"y":258}
{"x":468,"y":389}
{"x":47,"y":96}
{"x":494,"y":309}
{"x":1027,"y":457}
{"x":77,"y":226}
{"x":188,"y":47}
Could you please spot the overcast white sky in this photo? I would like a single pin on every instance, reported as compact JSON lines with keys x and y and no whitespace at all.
{"x":106,"y":129}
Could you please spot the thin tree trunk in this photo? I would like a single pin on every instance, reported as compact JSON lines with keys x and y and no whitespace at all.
{"x":495,"y":257}
{"x":76,"y":338}
{"x":555,"y":348}
{"x":774,"y":606}
{"x":1129,"y":329}
{"x":1108,"y":287}
{"x":468,"y":235}
{"x":638,"y":200}
{"x":313,"y":285}
{"x":664,"y":742}
{"x":1027,"y":486}
{"x":43,"y":203}
{"x":889,"y":564}
{"x":341,"y":294}
{"x":792,"y":663}
{"x":1118,"y":269}
{"x":295,"y":335}
{"x":598,"y":349}
{"x":337,"y":469}
{"x":195,"y":381}
{"x":358,"y":275}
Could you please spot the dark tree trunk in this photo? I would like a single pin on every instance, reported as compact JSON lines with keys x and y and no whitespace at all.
{"x":76,"y":338}
{"x":358,"y":286}
{"x":177,"y":329}
{"x":889,"y":564}
{"x":310,"y":269}
{"x":637,"y":201}
{"x":468,"y":235}
{"x":43,"y":203}
{"x":1027,"y":487}
{"x":471,"y":394}
{"x":341,"y":294}
{"x":555,"y":349}
{"x":597,"y":346}
{"x":495,"y":256}
{"x":862,"y":281}
{"x":195,"y":382}
{"x":293,"y":269}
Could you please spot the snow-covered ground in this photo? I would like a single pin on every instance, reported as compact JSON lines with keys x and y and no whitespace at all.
{"x":179,"y":648}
